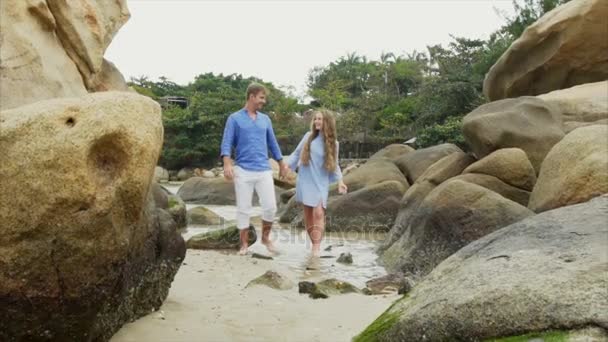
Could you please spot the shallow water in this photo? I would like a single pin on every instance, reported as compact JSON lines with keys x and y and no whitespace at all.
{"x":294,"y":246}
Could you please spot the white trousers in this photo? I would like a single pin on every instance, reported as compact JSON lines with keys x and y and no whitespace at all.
{"x":244,"y":183}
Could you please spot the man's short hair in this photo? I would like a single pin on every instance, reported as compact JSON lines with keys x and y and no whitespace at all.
{"x":255,"y":88}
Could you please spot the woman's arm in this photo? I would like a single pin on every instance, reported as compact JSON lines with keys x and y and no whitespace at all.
{"x":294,"y":158}
{"x":336,"y":175}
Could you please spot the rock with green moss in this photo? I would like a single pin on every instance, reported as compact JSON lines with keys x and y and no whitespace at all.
{"x":204,"y":216}
{"x":327,"y":287}
{"x":273,"y":280}
{"x":177,"y":209}
{"x":225,"y":238}
{"x":592,"y":334}
{"x":546,"y":271}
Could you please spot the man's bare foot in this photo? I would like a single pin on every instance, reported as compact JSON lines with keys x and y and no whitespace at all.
{"x":316,"y":252}
{"x":270,"y":246}
{"x":243,"y":251}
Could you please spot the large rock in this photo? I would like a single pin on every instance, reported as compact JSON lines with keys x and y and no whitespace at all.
{"x":510,"y":165}
{"x":161,"y":175}
{"x":86,"y":28}
{"x":82,"y":247}
{"x":527,"y":123}
{"x":413,"y":164}
{"x":373,"y":172}
{"x":574,"y":171}
{"x":451,"y":216}
{"x":545,"y":272}
{"x":204,"y":216}
{"x":582,"y":105}
{"x":372,"y":208}
{"x":564,"y":48}
{"x":515,"y":194}
{"x":33,"y":63}
{"x":217,"y":191}
{"x":442,"y":170}
{"x":393,"y":152}
{"x":55,"y":49}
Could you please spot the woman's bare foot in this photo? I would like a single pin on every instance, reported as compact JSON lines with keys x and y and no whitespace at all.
{"x":243,"y":251}
{"x":316,"y":251}
{"x":270,"y":246}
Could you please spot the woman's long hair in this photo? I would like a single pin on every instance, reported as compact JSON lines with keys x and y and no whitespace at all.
{"x":329,"y":135}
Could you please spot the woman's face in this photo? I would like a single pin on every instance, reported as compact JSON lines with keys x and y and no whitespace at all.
{"x":318,"y":121}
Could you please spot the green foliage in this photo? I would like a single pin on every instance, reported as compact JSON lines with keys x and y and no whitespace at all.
{"x":193,"y":134}
{"x":448,"y":132}
{"x":417,"y":94}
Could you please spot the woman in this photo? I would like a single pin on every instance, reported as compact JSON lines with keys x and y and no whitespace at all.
{"x":317,"y":157}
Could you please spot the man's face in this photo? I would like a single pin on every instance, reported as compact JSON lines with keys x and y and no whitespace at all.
{"x":258,"y":100}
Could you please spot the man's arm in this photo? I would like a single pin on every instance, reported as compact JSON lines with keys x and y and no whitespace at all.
{"x":226,"y":147}
{"x":271,"y":139}
{"x":273,"y":144}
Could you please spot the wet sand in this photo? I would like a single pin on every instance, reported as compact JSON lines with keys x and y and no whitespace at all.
{"x":208,"y":301}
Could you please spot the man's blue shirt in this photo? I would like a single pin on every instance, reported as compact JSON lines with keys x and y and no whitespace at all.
{"x":252,"y":139}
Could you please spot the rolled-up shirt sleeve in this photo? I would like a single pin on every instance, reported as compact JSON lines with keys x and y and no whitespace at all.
{"x":272,"y":143}
{"x":229,"y":137}
{"x":294,"y":158}
{"x":337,"y":174}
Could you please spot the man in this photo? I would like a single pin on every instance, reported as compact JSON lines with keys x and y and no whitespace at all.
{"x":250,"y":133}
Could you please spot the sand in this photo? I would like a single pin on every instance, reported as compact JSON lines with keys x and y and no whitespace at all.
{"x":208,"y":301}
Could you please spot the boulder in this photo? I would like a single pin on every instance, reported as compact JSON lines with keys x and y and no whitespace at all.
{"x":545,"y":272}
{"x":273,"y":280}
{"x":291,"y":212}
{"x":527,"y":123}
{"x":372,"y":208}
{"x":373,"y":172}
{"x":393,"y":152}
{"x":177,"y":209}
{"x":86,"y":28}
{"x":582,"y":105}
{"x":82,"y":248}
{"x":217,"y":191}
{"x":442,"y":170}
{"x":55,"y":49}
{"x":33,"y":60}
{"x":161,"y":175}
{"x":565,"y":47}
{"x":204,"y":216}
{"x":225,"y":238}
{"x":508,"y":191}
{"x":510,"y":165}
{"x":413,"y":164}
{"x":185,"y":174}
{"x":450,"y":217}
{"x":575,"y":170}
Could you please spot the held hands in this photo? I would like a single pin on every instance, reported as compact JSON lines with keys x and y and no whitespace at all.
{"x":283,"y":170}
{"x":342,"y":188}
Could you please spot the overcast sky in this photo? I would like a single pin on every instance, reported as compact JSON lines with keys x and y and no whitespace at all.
{"x":280,"y":41}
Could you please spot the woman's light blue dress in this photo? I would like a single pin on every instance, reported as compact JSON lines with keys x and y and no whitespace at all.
{"x":313,"y":181}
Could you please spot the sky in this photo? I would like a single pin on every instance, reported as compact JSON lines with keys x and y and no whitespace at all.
{"x":279,"y":41}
